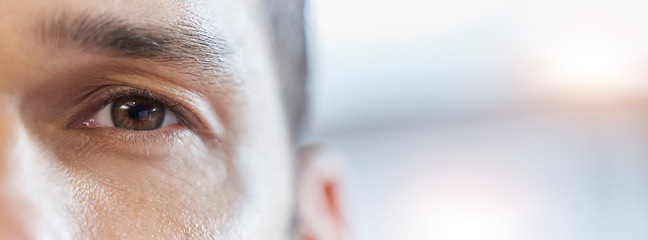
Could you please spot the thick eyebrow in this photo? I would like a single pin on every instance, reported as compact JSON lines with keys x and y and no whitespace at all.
{"x":183,"y":45}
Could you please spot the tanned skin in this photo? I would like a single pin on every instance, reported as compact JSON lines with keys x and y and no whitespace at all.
{"x":203,"y":152}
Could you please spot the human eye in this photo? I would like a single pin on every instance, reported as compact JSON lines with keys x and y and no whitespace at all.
{"x":135,"y":113}
{"x":131,"y":109}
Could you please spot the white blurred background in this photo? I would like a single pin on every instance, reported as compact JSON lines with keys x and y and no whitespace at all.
{"x":485,"y":119}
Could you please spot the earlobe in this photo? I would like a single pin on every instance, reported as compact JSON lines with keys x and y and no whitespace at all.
{"x":320,"y":215}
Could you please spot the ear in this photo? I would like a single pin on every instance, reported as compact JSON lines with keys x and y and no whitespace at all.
{"x":319,"y":211}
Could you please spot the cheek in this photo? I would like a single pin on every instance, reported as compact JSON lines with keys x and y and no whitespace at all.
{"x":181,"y":190}
{"x":138,"y":199}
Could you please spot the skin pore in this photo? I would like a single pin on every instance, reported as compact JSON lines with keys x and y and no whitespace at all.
{"x":224,"y":170}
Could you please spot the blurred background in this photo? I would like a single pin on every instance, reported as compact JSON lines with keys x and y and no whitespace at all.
{"x":485,"y":119}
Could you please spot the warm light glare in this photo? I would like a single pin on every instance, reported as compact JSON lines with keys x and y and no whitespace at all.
{"x":580,"y":57}
{"x":591,"y":68}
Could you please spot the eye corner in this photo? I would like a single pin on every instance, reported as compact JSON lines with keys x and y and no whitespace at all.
{"x":82,"y":122}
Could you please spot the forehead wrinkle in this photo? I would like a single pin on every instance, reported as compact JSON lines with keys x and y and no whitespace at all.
{"x":184,"y":45}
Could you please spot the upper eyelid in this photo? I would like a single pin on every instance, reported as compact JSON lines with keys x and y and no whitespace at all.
{"x":131,"y":91}
{"x":113,"y":95}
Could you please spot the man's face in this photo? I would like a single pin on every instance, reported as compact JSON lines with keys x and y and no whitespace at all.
{"x":141,"y":119}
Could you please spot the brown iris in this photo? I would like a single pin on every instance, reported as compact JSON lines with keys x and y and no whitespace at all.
{"x":137,"y":113}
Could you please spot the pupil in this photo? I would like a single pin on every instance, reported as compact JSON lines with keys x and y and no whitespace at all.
{"x":140,"y":111}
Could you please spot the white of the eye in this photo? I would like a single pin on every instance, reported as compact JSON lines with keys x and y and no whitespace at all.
{"x":170,"y":118}
{"x":103,"y":117}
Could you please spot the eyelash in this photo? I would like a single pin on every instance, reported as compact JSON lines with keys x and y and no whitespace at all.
{"x":114,"y":92}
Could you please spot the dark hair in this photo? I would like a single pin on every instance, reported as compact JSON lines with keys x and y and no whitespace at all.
{"x":286,"y":19}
